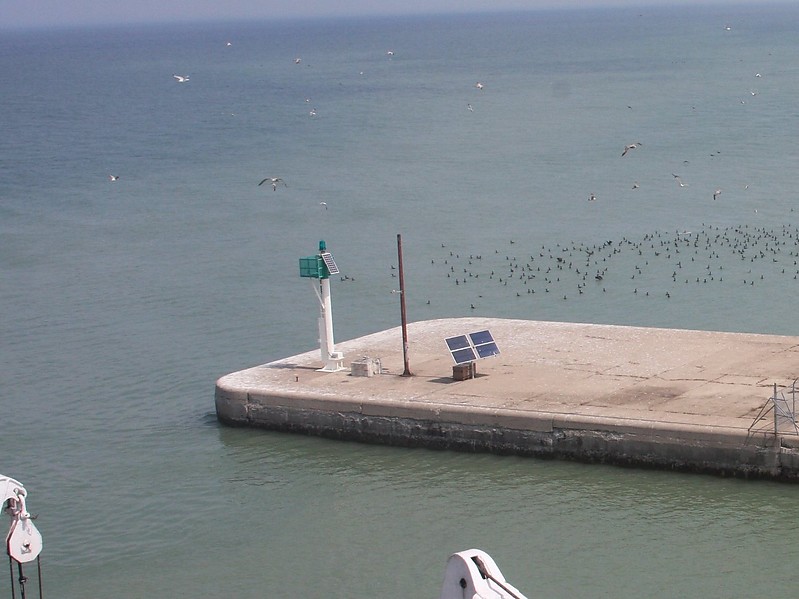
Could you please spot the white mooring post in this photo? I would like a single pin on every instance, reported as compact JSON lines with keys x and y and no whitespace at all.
{"x":321,"y":267}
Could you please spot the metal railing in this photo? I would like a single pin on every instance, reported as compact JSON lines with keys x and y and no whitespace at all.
{"x":778,"y":416}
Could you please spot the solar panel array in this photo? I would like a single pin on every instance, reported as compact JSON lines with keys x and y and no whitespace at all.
{"x":330,"y":263}
{"x":468,"y":348}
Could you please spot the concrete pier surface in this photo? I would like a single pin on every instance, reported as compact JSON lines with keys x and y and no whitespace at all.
{"x":665,"y":398}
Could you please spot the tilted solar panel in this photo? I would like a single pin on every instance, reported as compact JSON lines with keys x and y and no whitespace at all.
{"x":330,"y":263}
{"x":458,"y":342}
{"x":461,"y":356}
{"x":481,"y":337}
{"x":486,"y":350}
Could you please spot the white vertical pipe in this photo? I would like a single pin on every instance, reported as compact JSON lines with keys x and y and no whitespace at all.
{"x":327,"y":324}
{"x":322,"y":342}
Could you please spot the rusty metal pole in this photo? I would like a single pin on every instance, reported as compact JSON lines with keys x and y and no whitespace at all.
{"x":407,"y":370}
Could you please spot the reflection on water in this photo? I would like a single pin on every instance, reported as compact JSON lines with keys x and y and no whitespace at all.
{"x":557,"y":527}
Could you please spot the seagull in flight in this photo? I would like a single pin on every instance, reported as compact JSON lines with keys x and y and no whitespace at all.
{"x":113,"y":177}
{"x":273,"y":181}
{"x":679,"y":180}
{"x":181,"y":78}
{"x":716,"y":193}
{"x":629,"y":147}
{"x":479,"y":85}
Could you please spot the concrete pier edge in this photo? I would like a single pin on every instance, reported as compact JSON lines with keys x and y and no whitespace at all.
{"x":632,"y":403}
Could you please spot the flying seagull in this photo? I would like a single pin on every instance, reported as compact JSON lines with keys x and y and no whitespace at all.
{"x":629,"y":147}
{"x":716,"y":193}
{"x":679,"y":180}
{"x":273,"y":181}
{"x":479,"y":85}
{"x":113,"y":177}
{"x":181,"y":78}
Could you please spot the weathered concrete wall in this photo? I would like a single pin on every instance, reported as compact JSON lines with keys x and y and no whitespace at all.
{"x":593,"y":440}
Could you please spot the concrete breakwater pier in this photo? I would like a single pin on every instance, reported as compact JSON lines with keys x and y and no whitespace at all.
{"x":676,"y":399}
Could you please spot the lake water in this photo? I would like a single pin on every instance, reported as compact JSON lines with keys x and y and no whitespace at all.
{"x":123,"y":301}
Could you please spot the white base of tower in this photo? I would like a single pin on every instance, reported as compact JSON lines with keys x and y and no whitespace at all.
{"x":335,"y":362}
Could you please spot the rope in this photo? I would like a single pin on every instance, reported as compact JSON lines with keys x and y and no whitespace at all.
{"x":11,"y":572}
{"x":22,"y":580}
{"x":39,"y":573}
{"x":486,"y":574}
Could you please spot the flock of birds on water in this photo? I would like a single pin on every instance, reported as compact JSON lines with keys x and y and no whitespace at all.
{"x":658,"y":264}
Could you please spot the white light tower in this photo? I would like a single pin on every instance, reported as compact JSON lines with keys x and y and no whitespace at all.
{"x":321,"y":267}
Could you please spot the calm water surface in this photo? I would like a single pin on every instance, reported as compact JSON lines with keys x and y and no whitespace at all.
{"x":124,"y":301}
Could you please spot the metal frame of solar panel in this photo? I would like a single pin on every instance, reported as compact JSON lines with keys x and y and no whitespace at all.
{"x":471,"y":347}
